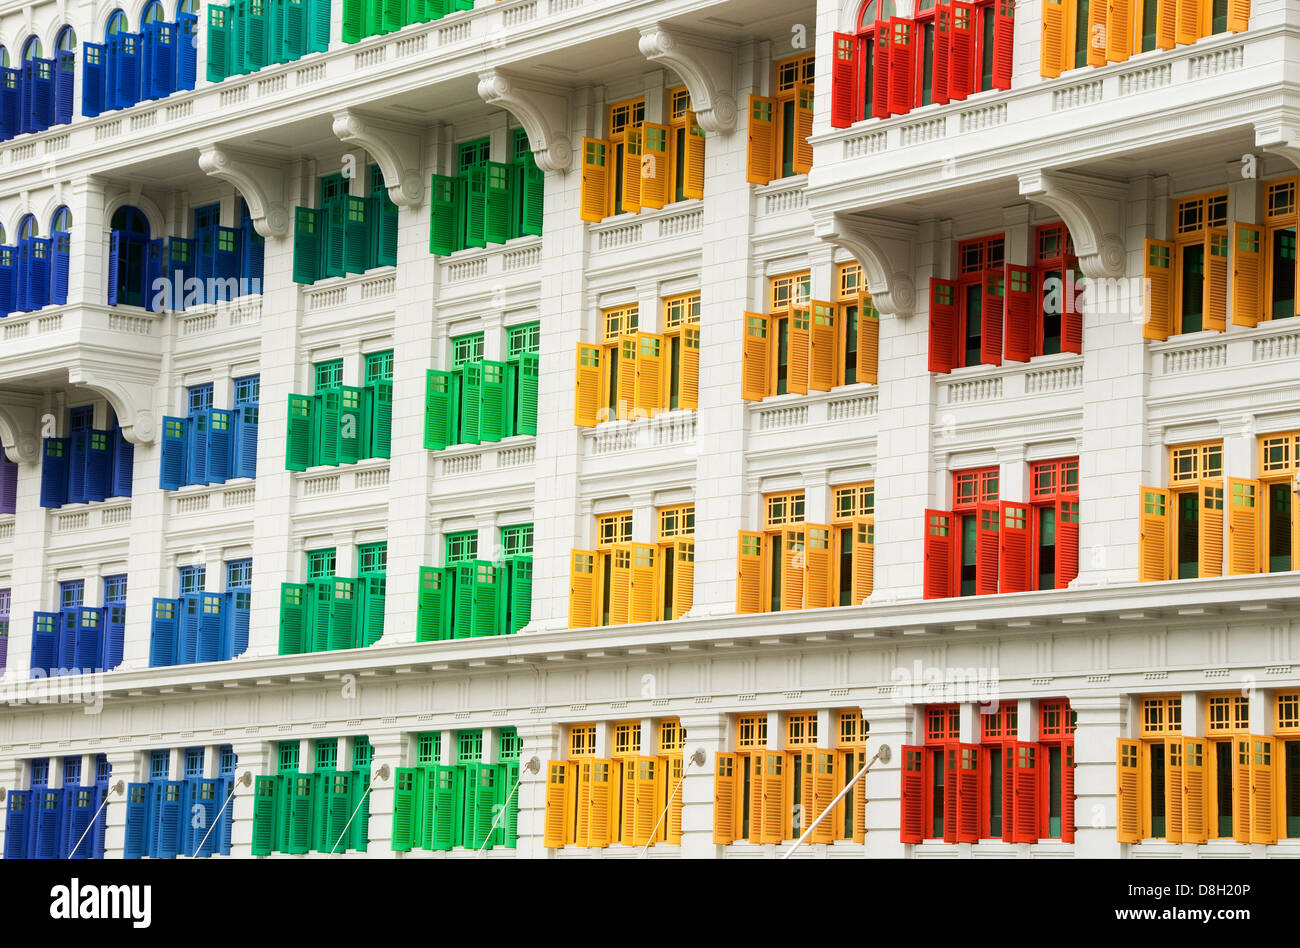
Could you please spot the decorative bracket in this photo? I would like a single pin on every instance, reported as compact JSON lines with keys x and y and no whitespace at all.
{"x":20,"y":430}
{"x":1092,"y":210}
{"x":707,"y":67}
{"x":132,"y":399}
{"x":395,"y":147}
{"x":1279,"y":139}
{"x":884,"y":248}
{"x":541,"y":108}
{"x":261,"y":182}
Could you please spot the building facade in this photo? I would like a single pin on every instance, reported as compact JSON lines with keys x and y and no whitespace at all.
{"x":419,"y":419}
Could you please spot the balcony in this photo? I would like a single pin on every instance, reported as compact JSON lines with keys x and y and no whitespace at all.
{"x":651,"y":235}
{"x":79,"y":344}
{"x":782,"y":425}
{"x":654,"y":443}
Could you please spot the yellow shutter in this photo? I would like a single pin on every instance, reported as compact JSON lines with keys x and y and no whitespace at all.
{"x":1241,"y":795}
{"x":868,"y":340}
{"x":1189,"y":21}
{"x":1243,"y":526}
{"x":792,"y":568}
{"x":725,"y":781}
{"x":1216,"y":278}
{"x":1158,"y":256}
{"x":688,"y":394}
{"x":760,"y":157}
{"x":559,"y":804}
{"x":582,"y":773}
{"x":654,"y":166}
{"x":683,"y":553}
{"x":594,"y":205}
{"x":778,"y":788}
{"x":648,"y":792}
{"x":749,"y":573}
{"x":1194,"y":791}
{"x":756,"y":777}
{"x":817,"y":566}
{"x":799,"y":351}
{"x":627,"y":818}
{"x":1097,"y":15}
{"x":1119,"y":29}
{"x":693,"y":178}
{"x":1247,"y":269}
{"x":671,"y":769}
{"x":1173,"y":789}
{"x":1154,"y":520}
{"x":859,"y":800}
{"x":1263,"y":790}
{"x":643,"y":582}
{"x":804,"y":760}
{"x":620,"y":584}
{"x":586,"y":387}
{"x":1053,"y":45}
{"x":632,"y":171}
{"x":582,"y":589}
{"x":603,"y":793}
{"x":1166,"y":23}
{"x":1238,"y":15}
{"x":755,"y":369}
{"x":1210,"y":523}
{"x":803,"y":127}
{"x":627,"y":351}
{"x":864,"y":558}
{"x":821,"y":359}
{"x":823,"y":793}
{"x":649,"y":394}
{"x":1128,"y":792}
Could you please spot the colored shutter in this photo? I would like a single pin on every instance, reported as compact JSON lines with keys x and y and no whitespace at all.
{"x":775,"y":786}
{"x":648,"y":396}
{"x":901,"y":65}
{"x":1004,"y":23}
{"x":595,"y":179}
{"x":521,"y":592}
{"x":582,"y":589}
{"x":653,"y":168}
{"x":306,"y":245}
{"x":755,"y":377}
{"x":93,"y":67}
{"x":1015,"y":542}
{"x":991,"y":319}
{"x":1052,"y":47}
{"x":245,"y":460}
{"x":559,"y":804}
{"x":293,"y":618}
{"x":1194,"y":795}
{"x":59,"y":247}
{"x":821,"y":347}
{"x":162,"y":633}
{"x":1189,"y":21}
{"x":626,"y":353}
{"x":1154,"y":529}
{"x":863,"y":559}
{"x":489,"y":599}
{"x":45,"y":640}
{"x":433,"y":615}
{"x":439,"y":410}
{"x":162,"y":63}
{"x":1072,"y":316}
{"x":497,"y":201}
{"x":688,"y":396}
{"x":586,"y":392}
{"x":1263,"y":790}
{"x":526,"y":399}
{"x":817,"y":567}
{"x":1025,"y":787}
{"x":54,"y":472}
{"x":444,"y":232}
{"x":868,"y":340}
{"x":749,"y":573}
{"x":1021,"y":309}
{"x":186,"y":36}
{"x":300,"y":443}
{"x":683,"y":553}
{"x":961,"y":55}
{"x":218,"y":55}
{"x":492,"y":402}
{"x":843,"y":81}
{"x":378,"y":399}
{"x":725,"y":785}
{"x":354,"y":20}
{"x":353,"y":423}
{"x":643,"y":584}
{"x":792,"y":567}
{"x":1157,"y":272}
{"x":880,"y":73}
{"x":65,"y":65}
{"x":318,"y":26}
{"x":1166,"y":23}
{"x":938,"y":582}
{"x":356,"y":235}
{"x":965,"y":777}
{"x":1128,"y":792}
{"x":939,"y":67}
{"x":760,"y":154}
{"x":1247,"y":268}
{"x":1216,"y":279}
{"x":693,"y":176}
{"x":1098,"y":14}
{"x":1238,"y":15}
{"x":1174,"y":789}
{"x":911,"y":794}
{"x":220,"y":445}
{"x":1067,"y":542}
{"x":1210,"y":526}
{"x":943,"y":325}
{"x":803,"y":127}
{"x":631,"y":171}
{"x":462,"y":604}
{"x":1243,"y":526}
{"x":986,"y":548}
{"x":471,"y":402}
{"x":126,"y":67}
{"x":619,"y":564}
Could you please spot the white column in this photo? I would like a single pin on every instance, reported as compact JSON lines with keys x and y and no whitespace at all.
{"x":1101,"y":722}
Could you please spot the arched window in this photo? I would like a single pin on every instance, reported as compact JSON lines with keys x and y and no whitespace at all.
{"x":128,"y":257}
{"x":116,"y":24}
{"x":130,"y":220}
{"x":61,"y":221}
{"x":67,"y":41}
{"x":187,"y":6}
{"x":4,"y":57}
{"x":873,"y":58}
{"x":27,"y":227}
{"x":153,"y":13}
{"x":2,"y":233}
{"x":32,"y":49}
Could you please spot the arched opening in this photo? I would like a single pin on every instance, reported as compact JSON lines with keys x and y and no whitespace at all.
{"x":32,"y":49}
{"x":130,"y":262}
{"x":153,"y":13}
{"x":67,"y":41}
{"x":187,"y":6}
{"x":4,"y":57}
{"x":116,"y":24}
{"x":61,"y":221}
{"x":27,"y":227}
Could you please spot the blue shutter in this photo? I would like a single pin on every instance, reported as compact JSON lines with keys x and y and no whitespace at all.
{"x":197,"y":462}
{"x":10,"y":103}
{"x":245,"y":454}
{"x":206,"y":796}
{"x":253,"y":251}
{"x":8,"y":489}
{"x":150,"y":296}
{"x":89,"y":639}
{"x":59,"y":254}
{"x":167,"y":839}
{"x":54,"y":472}
{"x":226,"y":260}
{"x":175,"y":447}
{"x":114,"y":635}
{"x":43,"y":94}
{"x":77,"y":447}
{"x":65,"y":73}
{"x":225,"y":814}
{"x":17,"y":816}
{"x":211,"y":626}
{"x":237,"y":620}
{"x":180,"y":268}
{"x":8,"y":279}
{"x":45,"y":641}
{"x":114,"y":265}
{"x":67,"y":650}
{"x":162,"y":62}
{"x":187,"y":639}
{"x":81,"y":802}
{"x":220,"y":445}
{"x":187,"y":50}
{"x":38,"y":272}
{"x":49,"y":824}
{"x":126,"y":68}
{"x":123,"y":463}
{"x":94,"y":78}
{"x":162,"y":636}
{"x":99,"y":465}
{"x":137,"y":821}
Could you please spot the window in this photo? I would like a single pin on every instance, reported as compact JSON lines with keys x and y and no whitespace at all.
{"x":486,"y":202}
{"x":328,"y":374}
{"x":582,"y":740}
{"x":613,"y":528}
{"x":523,"y":340}
{"x":634,"y":374}
{"x":961,"y":545}
{"x":676,"y":561}
{"x":1042,"y":314}
{"x":966,"y":314}
{"x":615,"y":583}
{"x":1263,"y":529}
{"x":681,"y":353}
{"x":248,"y":391}
{"x":508,"y":744}
{"x":1189,"y":275}
{"x":473,"y":154}
{"x":320,"y":564}
{"x":779,"y":126}
{"x":517,"y":540}
{"x":461,"y":547}
{"x":777,"y":355}
{"x":467,"y":348}
{"x":372,"y":559}
{"x":199,"y":398}
{"x":239,"y":574}
{"x":6,"y":599}
{"x":159,"y":764}
{"x":194,"y":761}
{"x":379,"y":367}
{"x":1181,"y":527}
{"x":474,"y":400}
{"x":72,"y":593}
{"x":193,"y":580}
{"x":627,"y":739}
{"x":854,"y":527}
{"x":469,"y":747}
{"x":1287,"y":750}
{"x":1278,"y":255}
{"x":428,"y":749}
{"x":857,"y":329}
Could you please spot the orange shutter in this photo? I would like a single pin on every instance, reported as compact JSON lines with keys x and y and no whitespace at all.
{"x":803,"y":127}
{"x":649,"y":387}
{"x":1247,"y":301}
{"x":1158,"y":273}
{"x":1097,"y":33}
{"x":756,"y":776}
{"x":643,"y":583}
{"x":1128,"y":792}
{"x":672,"y":778}
{"x":1216,"y":279}
{"x":632,"y":171}
{"x":778,"y":788}
{"x":1243,"y":526}
{"x":864,"y":558}
{"x":648,"y":780}
{"x":823,"y":793}
{"x":1238,"y":15}
{"x":799,"y":351}
{"x":1194,"y":786}
{"x":582,"y":589}
{"x":683,"y":553}
{"x":1211,"y":529}
{"x":792,"y":568}
{"x":805,"y":805}
{"x":586,"y":387}
{"x":654,"y":165}
{"x":1166,"y":23}
{"x":627,"y":819}
{"x":620,"y":583}
{"x":817,"y":567}
{"x":627,"y":349}
{"x":559,"y":804}
{"x":1119,"y":29}
{"x":821,"y":365}
{"x":868,"y":340}
{"x":755,"y":370}
{"x":1154,"y":520}
{"x":1263,"y":790}
{"x":749,"y":573}
{"x":594,"y":205}
{"x":1189,"y":21}
{"x":603,"y":792}
{"x":1052,"y":53}
{"x":1173,"y":789}
{"x":760,"y":158}
{"x":688,"y":394}
{"x":1241,"y":795}
{"x":859,"y":799}
{"x":724,"y":798}
{"x":693,"y":176}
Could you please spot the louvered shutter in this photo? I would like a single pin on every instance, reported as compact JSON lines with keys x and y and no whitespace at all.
{"x":1021,"y":308}
{"x":911,"y":794}
{"x":1210,"y":524}
{"x":1247,"y":271}
{"x":938,"y":583}
{"x":961,"y":66}
{"x":1244,"y":515}
{"x":844,"y":70}
{"x":749,"y":573}
{"x":943,"y":325}
{"x":755,"y":359}
{"x":760,"y":155}
{"x":1004,"y":23}
{"x":987,"y":533}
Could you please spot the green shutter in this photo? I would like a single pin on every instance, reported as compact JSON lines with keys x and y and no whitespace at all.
{"x":321,"y":597}
{"x":521,"y":592}
{"x":318,"y":26}
{"x":471,"y":392}
{"x":338,"y":810}
{"x":354,"y":424}
{"x":443,"y":201}
{"x":361,"y":804}
{"x":306,"y":245}
{"x":294,"y":606}
{"x":300,"y":443}
{"x":354,"y":20}
{"x":320,"y":792}
{"x":481,"y":780}
{"x":252,"y":34}
{"x":301,"y":812}
{"x":333,"y":217}
{"x":381,"y":213}
{"x":532,"y":184}
{"x":489,"y":583}
{"x":439,"y":410}
{"x":218,"y":43}
{"x":473,"y":200}
{"x":526,"y":395}
{"x":381,"y":419}
{"x":463,"y":603}
{"x":417,"y":11}
{"x":498,"y":191}
{"x":404,"y":806}
{"x":492,"y":402}
{"x":443,"y":835}
{"x":374,"y":591}
{"x":356,"y":235}
{"x":266,"y":794}
{"x":393,"y":15}
{"x":344,"y":614}
{"x":507,"y":831}
{"x":433,"y":615}
{"x":428,"y":779}
{"x":328,"y":403}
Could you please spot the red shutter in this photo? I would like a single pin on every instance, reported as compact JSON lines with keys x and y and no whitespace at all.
{"x":986,"y":548}
{"x":1016,"y":543}
{"x":1008,"y":791}
{"x":951,"y":788}
{"x":969,"y":796}
{"x":1067,"y":793}
{"x":911,"y":820}
{"x":994,"y":291}
{"x":900,"y":65}
{"x":844,"y":88}
{"x":961,"y":51}
{"x":943,"y":325}
{"x":1025,"y":815}
{"x":880,"y":73}
{"x":1019,"y":284}
{"x":1067,"y":542}
{"x":938,"y":554}
{"x":1071,"y":318}
{"x":1004,"y":24}
{"x":939,"y":64}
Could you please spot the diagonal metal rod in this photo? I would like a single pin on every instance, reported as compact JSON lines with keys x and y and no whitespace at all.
{"x":654,"y":832}
{"x":215,"y":822}
{"x":502,"y":812}
{"x":838,"y":797}
{"x":355,"y":809}
{"x":90,"y":824}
